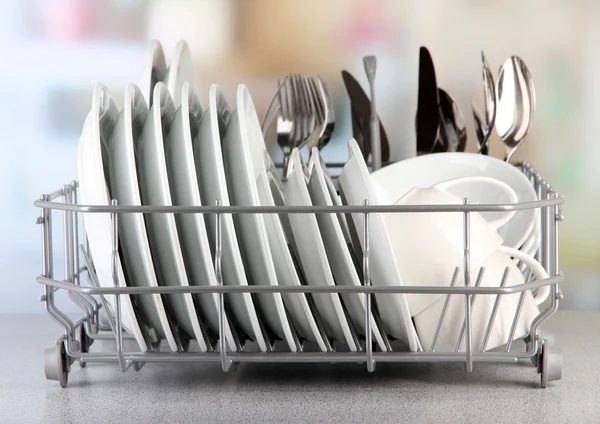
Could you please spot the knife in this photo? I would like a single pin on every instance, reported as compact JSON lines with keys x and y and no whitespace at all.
{"x":428,"y":115}
{"x":361,"y":114}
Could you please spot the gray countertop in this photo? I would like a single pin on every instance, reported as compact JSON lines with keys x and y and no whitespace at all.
{"x":344,"y":393}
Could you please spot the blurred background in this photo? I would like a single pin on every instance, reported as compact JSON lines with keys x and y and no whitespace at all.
{"x":55,"y":51}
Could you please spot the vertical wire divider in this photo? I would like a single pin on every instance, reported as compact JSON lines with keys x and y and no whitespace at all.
{"x":558,"y":218}
{"x":367,"y":283}
{"x":536,"y":178}
{"x":48,"y":272}
{"x":70,"y":271}
{"x":513,"y":327}
{"x":92,"y":304}
{"x":94,"y":279}
{"x":444,"y":309}
{"x":467,"y":282}
{"x":473,"y":300}
{"x":490,"y":325}
{"x":115,"y":277}
{"x":225,"y":361}
{"x":69,"y":265}
{"x":543,"y":224}
{"x":547,"y":213}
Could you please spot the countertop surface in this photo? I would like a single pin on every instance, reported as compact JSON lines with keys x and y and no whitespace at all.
{"x":343,"y":393}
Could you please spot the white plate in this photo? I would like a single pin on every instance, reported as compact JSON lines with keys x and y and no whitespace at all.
{"x":132,"y":228}
{"x":312,"y":253}
{"x":335,"y":198}
{"x":180,"y":71}
{"x":246,"y":152}
{"x":162,"y":230}
{"x":399,"y":178}
{"x":213,"y":187}
{"x":270,"y":192}
{"x":356,"y":186}
{"x":241,"y":162}
{"x":154,"y":71}
{"x":93,"y":190}
{"x":340,"y":260}
{"x":185,"y":192}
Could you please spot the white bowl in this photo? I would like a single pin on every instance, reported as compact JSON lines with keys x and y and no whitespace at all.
{"x":395,"y":180}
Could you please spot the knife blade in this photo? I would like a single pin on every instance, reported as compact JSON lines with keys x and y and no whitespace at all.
{"x":361,"y":110}
{"x":428,"y":115}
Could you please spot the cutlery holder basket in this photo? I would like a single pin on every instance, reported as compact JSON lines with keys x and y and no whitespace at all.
{"x":103,"y":321}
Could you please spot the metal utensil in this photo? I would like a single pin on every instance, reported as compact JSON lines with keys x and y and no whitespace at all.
{"x":314,"y":109}
{"x":484,"y":123}
{"x":428,"y":115}
{"x":360,"y":106}
{"x":327,"y":103}
{"x":370,"y":64}
{"x":323,"y":113}
{"x":515,"y":100}
{"x":453,"y":129}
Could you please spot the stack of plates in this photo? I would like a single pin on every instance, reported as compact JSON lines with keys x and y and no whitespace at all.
{"x":162,"y":148}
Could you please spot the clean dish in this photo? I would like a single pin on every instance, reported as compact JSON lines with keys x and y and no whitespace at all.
{"x":213,"y":187}
{"x":312,"y":253}
{"x":394,"y":181}
{"x":155,"y":71}
{"x":183,"y":181}
{"x":340,"y":260}
{"x":270,"y":192}
{"x":356,"y":186}
{"x":431,"y":261}
{"x":94,"y":190}
{"x":162,"y":230}
{"x":241,"y":161}
{"x":180,"y":71}
{"x":132,"y":228}
{"x":335,"y":197}
{"x":297,"y":304}
{"x":483,"y":306}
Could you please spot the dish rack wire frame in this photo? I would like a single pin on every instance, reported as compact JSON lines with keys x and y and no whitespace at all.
{"x":73,"y":345}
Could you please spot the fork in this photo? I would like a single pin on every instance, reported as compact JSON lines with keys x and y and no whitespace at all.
{"x":329,"y":113}
{"x":321,"y":108}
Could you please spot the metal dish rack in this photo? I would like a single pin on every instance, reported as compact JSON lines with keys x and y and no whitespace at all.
{"x":98,"y":323}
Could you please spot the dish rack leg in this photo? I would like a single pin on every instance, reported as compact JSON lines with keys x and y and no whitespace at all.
{"x":56,"y":364}
{"x":550,"y":364}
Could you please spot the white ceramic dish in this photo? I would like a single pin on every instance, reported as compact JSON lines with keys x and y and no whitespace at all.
{"x":312,"y":253}
{"x":338,"y":253}
{"x":93,"y":190}
{"x":483,"y":306}
{"x":213,"y":186}
{"x":132,"y":227}
{"x":154,"y":71}
{"x":356,"y":186}
{"x":180,"y":71}
{"x":241,"y":161}
{"x":297,"y":305}
{"x":162,"y":230}
{"x":334,"y":196}
{"x":270,"y":192}
{"x":394,"y":181}
{"x":183,"y":181}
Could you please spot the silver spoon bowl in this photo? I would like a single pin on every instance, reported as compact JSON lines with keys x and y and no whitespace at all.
{"x":515,"y":100}
{"x":452,"y":135}
{"x":484,"y":123}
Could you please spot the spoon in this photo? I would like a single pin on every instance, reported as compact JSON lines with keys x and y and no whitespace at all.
{"x":453,"y":129}
{"x":515,"y":100}
{"x":484,"y":124}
